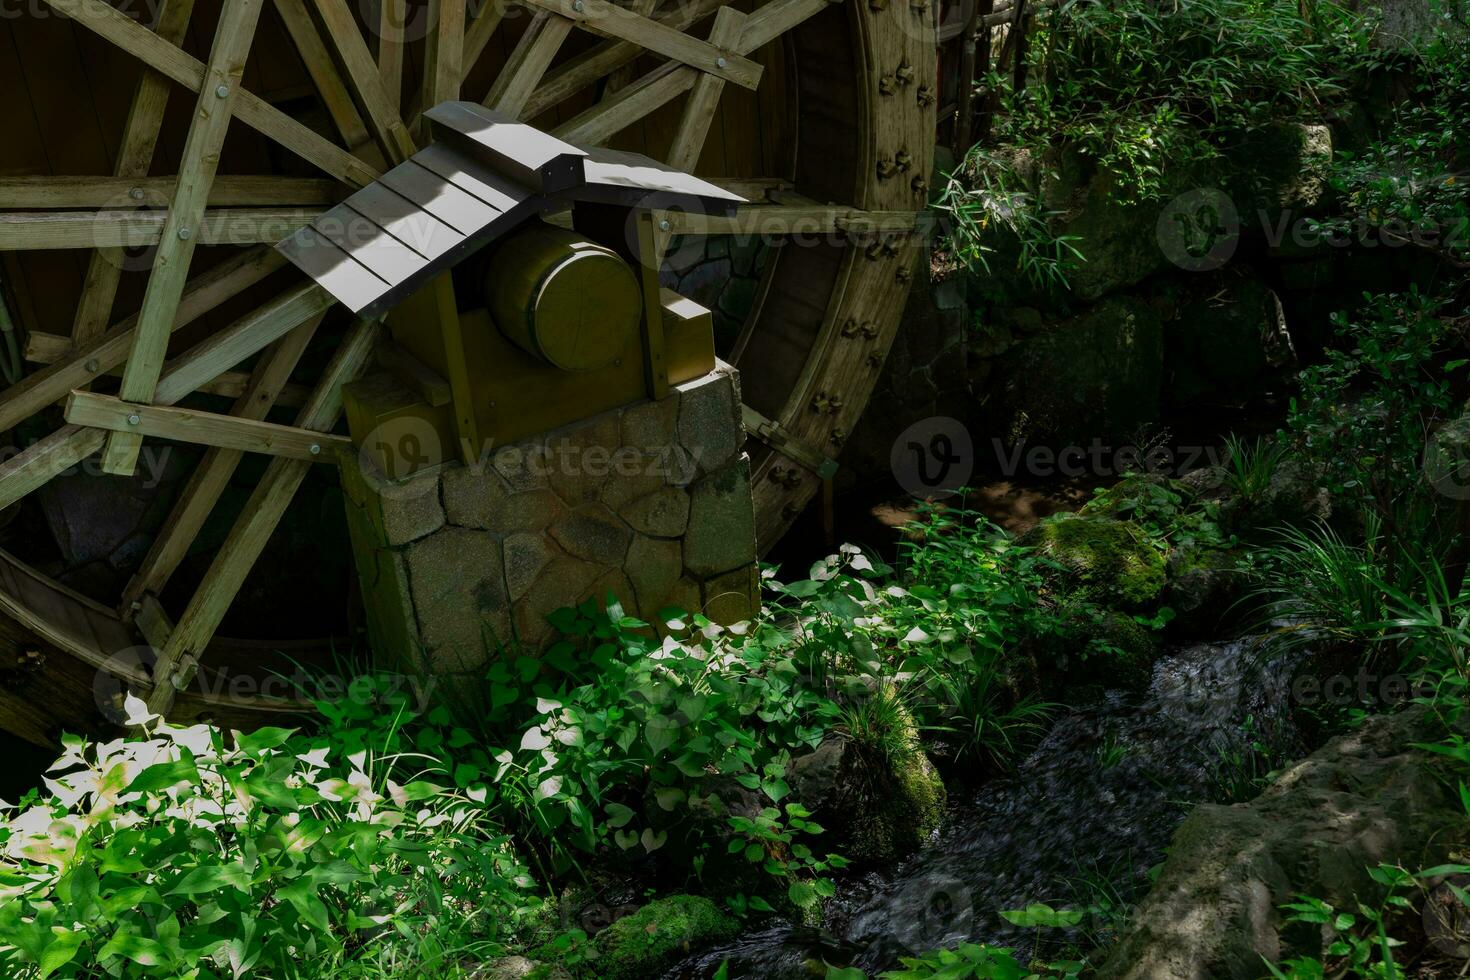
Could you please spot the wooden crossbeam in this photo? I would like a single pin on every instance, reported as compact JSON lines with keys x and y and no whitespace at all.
{"x":232,"y":40}
{"x":610,"y":20}
{"x":134,"y":157}
{"x":48,"y":348}
{"x":704,"y":99}
{"x":622,"y":76}
{"x":204,"y":428}
{"x":266,"y":388}
{"x":528,"y":62}
{"x":204,"y":292}
{"x":365,"y":80}
{"x":228,"y":190}
{"x":392,"y":20}
{"x":71,"y":444}
{"x":176,"y":664}
{"x":443,"y":53}
{"x":35,"y":231}
{"x":569,"y":78}
{"x":328,"y":82}
{"x":171,"y":60}
{"x":601,"y":122}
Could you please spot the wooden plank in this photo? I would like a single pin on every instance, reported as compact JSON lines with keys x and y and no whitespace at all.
{"x":33,"y":231}
{"x":205,"y":292}
{"x":392,"y":21}
{"x":329,"y":85}
{"x":135,"y":156}
{"x":463,"y":212}
{"x":610,"y":20}
{"x":116,"y":27}
{"x":374,"y":248}
{"x":228,"y":190}
{"x":577,"y":73}
{"x":266,"y":386}
{"x":262,"y":513}
{"x":42,"y":462}
{"x":704,"y":99}
{"x":365,"y":80}
{"x":605,"y":120}
{"x":204,"y":428}
{"x":443,"y":53}
{"x":528,"y":62}
{"x":153,"y":621}
{"x":494,"y":138}
{"x":622,"y":76}
{"x":482,"y":183}
{"x":775,"y":18}
{"x":48,"y":348}
{"x":233,"y":38}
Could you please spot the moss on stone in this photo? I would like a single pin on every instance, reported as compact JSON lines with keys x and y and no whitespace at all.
{"x":644,"y":943}
{"x":1111,"y":559}
{"x":892,"y":797}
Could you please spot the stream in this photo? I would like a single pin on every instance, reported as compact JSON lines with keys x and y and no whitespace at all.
{"x":1086,"y":815}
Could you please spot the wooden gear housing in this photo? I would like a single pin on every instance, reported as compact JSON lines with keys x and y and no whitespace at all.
{"x":518,"y":277}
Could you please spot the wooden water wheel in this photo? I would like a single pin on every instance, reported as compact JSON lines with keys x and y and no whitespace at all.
{"x":156,"y":149}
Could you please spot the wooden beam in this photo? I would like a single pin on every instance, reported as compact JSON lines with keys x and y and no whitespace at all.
{"x":204,"y":428}
{"x":324,"y":75}
{"x":443,"y":54}
{"x":122,"y":31}
{"x":365,"y":80}
{"x":48,"y":348}
{"x":134,"y":157}
{"x":205,"y":292}
{"x":775,"y":18}
{"x":392,"y":20}
{"x":622,"y":76}
{"x":569,"y":78}
{"x":265,"y":389}
{"x":610,"y":20}
{"x":232,"y":40}
{"x":263,"y":511}
{"x":528,"y":62}
{"x":603,"y":121}
{"x":36,"y":465}
{"x":40,"y":230}
{"x":228,"y":190}
{"x":704,"y":99}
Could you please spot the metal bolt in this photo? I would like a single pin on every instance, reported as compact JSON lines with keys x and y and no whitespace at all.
{"x":134,"y":419}
{"x":577,"y":5}
{"x":919,"y":184}
{"x":903,"y":159}
{"x":663,"y":224}
{"x":720,"y":62}
{"x":887,"y":85}
{"x":925,"y":95}
{"x":315,"y":449}
{"x":92,"y":366}
{"x":886,"y":169}
{"x":136,"y":193}
{"x":904,"y":73}
{"x":185,"y":234}
{"x":222,"y":92}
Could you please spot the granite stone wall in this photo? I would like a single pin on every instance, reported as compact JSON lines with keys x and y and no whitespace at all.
{"x":650,"y":502}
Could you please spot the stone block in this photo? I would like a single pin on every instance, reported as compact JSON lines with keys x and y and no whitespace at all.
{"x":663,"y":513}
{"x":526,"y":555}
{"x":579,"y":458}
{"x":594,"y":533}
{"x":481,"y":498}
{"x":402,"y":511}
{"x":652,"y":426}
{"x":733,"y":597}
{"x":457,"y":580}
{"x":711,"y":428}
{"x":654,"y":566}
{"x":721,"y":534}
{"x":563,"y":582}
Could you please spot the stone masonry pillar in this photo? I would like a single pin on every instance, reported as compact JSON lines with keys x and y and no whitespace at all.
{"x":650,"y":502}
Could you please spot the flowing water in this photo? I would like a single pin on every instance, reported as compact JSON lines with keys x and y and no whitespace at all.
{"x":1097,"y":801}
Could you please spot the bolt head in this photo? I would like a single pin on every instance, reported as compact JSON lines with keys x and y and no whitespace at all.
{"x":663,"y":224}
{"x":721,"y":63}
{"x":134,"y":419}
{"x":185,"y":234}
{"x":91,"y":366}
{"x":222,"y":92}
{"x":578,"y":5}
{"x":136,"y":193}
{"x":316,"y":450}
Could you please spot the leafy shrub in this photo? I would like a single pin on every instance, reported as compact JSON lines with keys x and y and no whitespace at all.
{"x":180,"y":852}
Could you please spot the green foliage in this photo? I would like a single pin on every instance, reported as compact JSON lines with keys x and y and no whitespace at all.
{"x":1250,"y":467}
{"x":1168,"y":511}
{"x":644,"y":943}
{"x":178,"y":852}
{"x":776,"y":843}
{"x":1108,"y":558}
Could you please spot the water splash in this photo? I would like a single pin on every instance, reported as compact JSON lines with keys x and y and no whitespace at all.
{"x":1098,"y":799}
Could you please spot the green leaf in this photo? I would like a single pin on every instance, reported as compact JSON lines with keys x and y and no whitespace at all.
{"x":59,"y":951}
{"x":262,"y":739}
{"x":166,"y":775}
{"x":802,"y":894}
{"x":208,"y":878}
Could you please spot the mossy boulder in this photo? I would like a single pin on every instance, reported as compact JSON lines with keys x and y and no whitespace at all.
{"x":1113,"y":561}
{"x":645,"y":943}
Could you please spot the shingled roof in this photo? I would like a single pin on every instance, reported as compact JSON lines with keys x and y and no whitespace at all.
{"x":485,"y":175}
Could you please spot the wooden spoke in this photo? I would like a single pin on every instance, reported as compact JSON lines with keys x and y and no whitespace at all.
{"x":392,"y":19}
{"x":135,"y":156}
{"x":205,"y":292}
{"x":170,"y":60}
{"x":514,"y":85}
{"x":135,"y":229}
{"x":204,"y":428}
{"x":622,"y":76}
{"x":366,"y":80}
{"x":265,"y":389}
{"x":263,"y":511}
{"x":155,"y":192}
{"x":443,"y":52}
{"x":699,"y":111}
{"x":232,"y":40}
{"x":328,"y":82}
